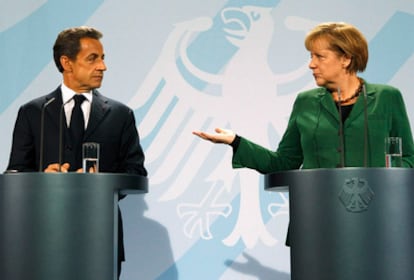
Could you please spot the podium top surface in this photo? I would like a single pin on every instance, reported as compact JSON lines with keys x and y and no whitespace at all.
{"x":280,"y":181}
{"x":122,"y":182}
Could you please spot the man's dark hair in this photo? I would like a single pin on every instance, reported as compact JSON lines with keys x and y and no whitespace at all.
{"x":68,"y":42}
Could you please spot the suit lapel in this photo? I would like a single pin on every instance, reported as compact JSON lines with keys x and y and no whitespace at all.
{"x":54,"y":110}
{"x":99,"y":108}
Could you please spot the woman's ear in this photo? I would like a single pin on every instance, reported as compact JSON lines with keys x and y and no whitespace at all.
{"x":346,"y":61}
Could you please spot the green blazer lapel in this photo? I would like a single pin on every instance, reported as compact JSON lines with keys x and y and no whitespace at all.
{"x":99,"y":108}
{"x":360,"y":104}
{"x":328,"y":104}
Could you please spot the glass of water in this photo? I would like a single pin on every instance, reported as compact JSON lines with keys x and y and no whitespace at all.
{"x":90,"y":157}
{"x":393,"y":152}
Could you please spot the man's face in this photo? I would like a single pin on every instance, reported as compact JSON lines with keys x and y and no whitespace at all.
{"x":86,"y":71}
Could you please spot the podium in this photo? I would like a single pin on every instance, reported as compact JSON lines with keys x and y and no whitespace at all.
{"x":349,"y":223}
{"x":62,"y":225}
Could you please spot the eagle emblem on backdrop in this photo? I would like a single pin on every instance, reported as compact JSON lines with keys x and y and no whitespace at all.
{"x":197,"y":85}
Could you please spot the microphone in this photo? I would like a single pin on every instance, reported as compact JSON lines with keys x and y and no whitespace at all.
{"x":364,"y":90}
{"x":42,"y":132}
{"x":341,"y":130}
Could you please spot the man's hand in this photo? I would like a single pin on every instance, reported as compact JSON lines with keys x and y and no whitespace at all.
{"x":92,"y":169}
{"x":54,"y":167}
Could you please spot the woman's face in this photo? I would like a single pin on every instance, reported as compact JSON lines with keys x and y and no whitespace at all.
{"x":328,"y":67}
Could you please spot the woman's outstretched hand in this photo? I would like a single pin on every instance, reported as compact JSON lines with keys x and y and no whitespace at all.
{"x":223,"y":136}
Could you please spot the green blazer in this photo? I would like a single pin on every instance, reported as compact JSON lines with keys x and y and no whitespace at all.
{"x":312,"y":140}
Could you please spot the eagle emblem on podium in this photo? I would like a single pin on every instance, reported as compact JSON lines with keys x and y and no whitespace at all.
{"x":356,"y":195}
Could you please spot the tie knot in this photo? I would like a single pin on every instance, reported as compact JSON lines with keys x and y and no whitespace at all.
{"x":79,"y":98}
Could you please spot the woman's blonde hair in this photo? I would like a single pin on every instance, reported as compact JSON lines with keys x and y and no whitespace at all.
{"x":344,"y":39}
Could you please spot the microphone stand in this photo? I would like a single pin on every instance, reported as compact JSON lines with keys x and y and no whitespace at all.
{"x":365,"y":126}
{"x":42,"y":132}
{"x":341,"y":129}
{"x":61,"y":136}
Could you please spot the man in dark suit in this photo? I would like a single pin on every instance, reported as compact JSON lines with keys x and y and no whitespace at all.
{"x":79,"y":56}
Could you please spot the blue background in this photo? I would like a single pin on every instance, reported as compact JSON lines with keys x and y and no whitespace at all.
{"x":181,"y":66}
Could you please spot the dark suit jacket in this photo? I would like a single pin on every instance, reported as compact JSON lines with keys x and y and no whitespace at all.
{"x":111,"y":124}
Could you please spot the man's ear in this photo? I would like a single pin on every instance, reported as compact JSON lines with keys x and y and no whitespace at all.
{"x":66,"y":63}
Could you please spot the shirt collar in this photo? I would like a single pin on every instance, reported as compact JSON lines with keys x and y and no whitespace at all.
{"x":67,"y":94}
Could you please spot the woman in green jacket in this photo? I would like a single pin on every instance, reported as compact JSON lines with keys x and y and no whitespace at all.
{"x":342,"y":123}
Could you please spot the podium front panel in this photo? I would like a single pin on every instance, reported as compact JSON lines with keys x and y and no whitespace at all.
{"x":350,"y":223}
{"x":59,"y":226}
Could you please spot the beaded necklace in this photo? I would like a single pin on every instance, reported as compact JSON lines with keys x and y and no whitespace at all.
{"x":356,"y":94}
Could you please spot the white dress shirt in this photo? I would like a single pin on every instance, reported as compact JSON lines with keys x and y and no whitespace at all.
{"x":67,"y":97}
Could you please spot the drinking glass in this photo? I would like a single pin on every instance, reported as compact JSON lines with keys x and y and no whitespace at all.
{"x":90,"y":157}
{"x":393,"y":152}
